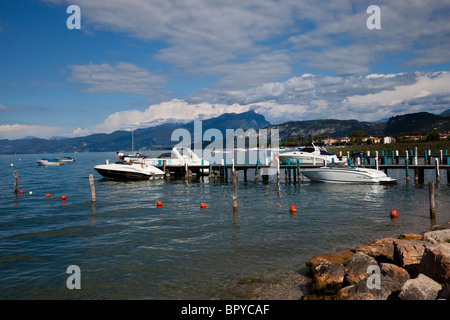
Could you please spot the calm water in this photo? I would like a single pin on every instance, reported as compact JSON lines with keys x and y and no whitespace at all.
{"x":127,"y":248}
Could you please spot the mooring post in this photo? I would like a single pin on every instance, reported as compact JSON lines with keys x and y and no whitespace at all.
{"x":438,"y":177}
{"x":91,"y":182}
{"x":278,"y":166}
{"x":376,"y":160}
{"x":16,"y":182}
{"x":415,"y":158}
{"x":407,"y":168}
{"x":235,"y":181}
{"x":432,"y":203}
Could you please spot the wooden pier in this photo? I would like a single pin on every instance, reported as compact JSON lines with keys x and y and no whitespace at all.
{"x":292,"y":172}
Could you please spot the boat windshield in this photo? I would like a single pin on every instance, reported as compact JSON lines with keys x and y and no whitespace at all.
{"x":324,"y":152}
{"x":307,"y":149}
{"x":165,"y":155}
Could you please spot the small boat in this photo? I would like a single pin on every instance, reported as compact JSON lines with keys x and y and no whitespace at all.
{"x":67,"y":159}
{"x":129,"y":171}
{"x":46,"y":162}
{"x":309,"y":155}
{"x":342,"y":173}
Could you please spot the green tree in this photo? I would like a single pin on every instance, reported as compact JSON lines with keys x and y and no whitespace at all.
{"x":433,"y":136}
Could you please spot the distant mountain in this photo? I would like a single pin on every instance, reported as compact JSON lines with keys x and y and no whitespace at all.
{"x":158,"y":137}
{"x":331,"y":127}
{"x":421,"y":123}
{"x":446,"y":112}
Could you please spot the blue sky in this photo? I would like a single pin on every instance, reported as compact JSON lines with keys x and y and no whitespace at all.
{"x":141,"y":63}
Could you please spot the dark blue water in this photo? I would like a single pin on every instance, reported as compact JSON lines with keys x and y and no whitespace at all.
{"x":127,"y":248}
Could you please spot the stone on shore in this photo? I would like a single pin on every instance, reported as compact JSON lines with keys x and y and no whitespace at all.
{"x":435,"y":263}
{"x":437,"y":236}
{"x":410,"y":236}
{"x":392,"y":279}
{"x":420,"y":288}
{"x":338,"y":257}
{"x":381,"y":250}
{"x":408,"y":254}
{"x":328,"y":277}
{"x":356,"y":267}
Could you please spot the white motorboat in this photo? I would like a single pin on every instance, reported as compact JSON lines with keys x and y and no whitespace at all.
{"x":342,"y":173}
{"x":179,"y":156}
{"x":309,"y":155}
{"x":46,"y":162}
{"x":129,"y":171}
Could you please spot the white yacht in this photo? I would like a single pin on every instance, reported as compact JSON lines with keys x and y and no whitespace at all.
{"x":179,"y":156}
{"x":129,"y":171}
{"x":309,"y":155}
{"x":342,"y":173}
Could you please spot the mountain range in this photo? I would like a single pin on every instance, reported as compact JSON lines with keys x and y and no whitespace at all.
{"x":159,"y":137}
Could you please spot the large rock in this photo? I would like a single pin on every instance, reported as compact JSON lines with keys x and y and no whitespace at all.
{"x":356,"y":267}
{"x":338,"y":257}
{"x":420,"y":288}
{"x":437,"y":236}
{"x":381,"y":249}
{"x":435,"y":263}
{"x":408,"y":254}
{"x":392,"y":279}
{"x":410,"y":236}
{"x":328,"y":278}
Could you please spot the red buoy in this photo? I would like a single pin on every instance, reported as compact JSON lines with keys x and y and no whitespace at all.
{"x":293,"y":209}
{"x":48,"y":195}
{"x":21,"y":192}
{"x":394,"y":214}
{"x":159,"y":203}
{"x":63,"y":197}
{"x":203,"y":205}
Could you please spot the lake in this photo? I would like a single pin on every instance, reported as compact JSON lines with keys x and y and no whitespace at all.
{"x":128,"y":248}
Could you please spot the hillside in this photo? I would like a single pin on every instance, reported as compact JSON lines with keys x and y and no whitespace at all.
{"x":159,"y":137}
{"x":335,"y":128}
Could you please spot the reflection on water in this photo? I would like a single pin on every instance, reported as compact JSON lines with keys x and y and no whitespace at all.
{"x":127,"y":247}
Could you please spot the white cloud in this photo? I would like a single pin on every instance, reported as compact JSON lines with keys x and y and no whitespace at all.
{"x":425,"y":85}
{"x":119,"y":78}
{"x":18,"y":131}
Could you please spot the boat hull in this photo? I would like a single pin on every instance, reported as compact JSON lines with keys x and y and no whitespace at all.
{"x":45,"y":163}
{"x":347,"y":175}
{"x":129,"y":171}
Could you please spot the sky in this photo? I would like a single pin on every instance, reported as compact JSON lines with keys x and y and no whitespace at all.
{"x":140,"y":63}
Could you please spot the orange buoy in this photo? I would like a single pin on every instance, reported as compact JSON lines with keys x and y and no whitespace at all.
{"x":203,"y":205}
{"x":159,"y":203}
{"x":48,"y":195}
{"x":394,"y":214}
{"x":21,"y":192}
{"x":293,"y":209}
{"x":63,"y":197}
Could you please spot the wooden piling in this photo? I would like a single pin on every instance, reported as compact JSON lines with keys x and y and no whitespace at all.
{"x":235,"y":182}
{"x":438,"y":177}
{"x":16,"y":182}
{"x":407,"y":168}
{"x":91,"y":182}
{"x":432,"y":203}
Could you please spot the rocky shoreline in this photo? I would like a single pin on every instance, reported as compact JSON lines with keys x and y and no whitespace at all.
{"x":411,"y":267}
